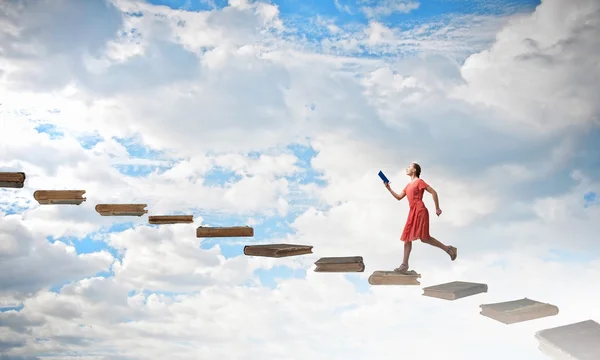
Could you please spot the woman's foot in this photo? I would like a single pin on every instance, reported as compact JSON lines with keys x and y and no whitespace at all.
{"x":453,"y":252}
{"x":402,"y":269}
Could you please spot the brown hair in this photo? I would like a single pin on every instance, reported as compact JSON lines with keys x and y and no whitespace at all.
{"x":417,"y":169}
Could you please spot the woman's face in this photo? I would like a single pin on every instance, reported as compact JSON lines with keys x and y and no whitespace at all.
{"x":410,"y":169}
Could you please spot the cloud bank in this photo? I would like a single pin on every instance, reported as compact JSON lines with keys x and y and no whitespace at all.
{"x":244,"y":114}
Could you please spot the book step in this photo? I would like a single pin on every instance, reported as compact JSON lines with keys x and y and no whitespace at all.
{"x":277,"y":250}
{"x":515,"y":311}
{"x":14,"y":180}
{"x":455,"y":290}
{"x":576,"y":341}
{"x":121,"y":209}
{"x":59,"y":197}
{"x":170,"y":219}
{"x":340,"y":264}
{"x":225,"y":231}
{"x":383,"y":277}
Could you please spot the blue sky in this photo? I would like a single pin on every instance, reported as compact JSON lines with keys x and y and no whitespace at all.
{"x":368,"y":88}
{"x":269,"y":228}
{"x":302,"y":15}
{"x":330,"y":8}
{"x":277,"y":226}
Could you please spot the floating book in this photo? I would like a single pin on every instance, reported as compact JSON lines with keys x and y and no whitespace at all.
{"x":231,"y":231}
{"x":12,"y":179}
{"x":578,"y":341}
{"x":59,"y":197}
{"x":515,"y":311}
{"x":394,"y":278}
{"x":454,"y":290}
{"x":121,"y":209}
{"x":340,"y":264}
{"x":277,"y":250}
{"x":170,"y":219}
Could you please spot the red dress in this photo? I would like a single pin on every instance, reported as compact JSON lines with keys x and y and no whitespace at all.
{"x":417,"y":223}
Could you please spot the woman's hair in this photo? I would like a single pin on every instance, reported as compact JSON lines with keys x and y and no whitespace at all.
{"x":417,"y":169}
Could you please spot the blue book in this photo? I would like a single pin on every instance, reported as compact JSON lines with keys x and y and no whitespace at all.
{"x":385,"y":180}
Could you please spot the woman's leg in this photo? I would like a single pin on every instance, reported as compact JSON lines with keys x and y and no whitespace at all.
{"x":435,"y":242}
{"x":407,"y":250}
{"x":404,"y":266}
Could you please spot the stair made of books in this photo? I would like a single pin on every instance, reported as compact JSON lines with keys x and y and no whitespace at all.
{"x":577,"y":341}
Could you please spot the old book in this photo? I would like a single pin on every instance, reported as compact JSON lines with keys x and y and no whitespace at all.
{"x":230,"y":231}
{"x":121,"y":209}
{"x":12,"y":179}
{"x":394,"y":278}
{"x":454,"y":290}
{"x":515,"y":311}
{"x":59,"y":197}
{"x":170,"y":219}
{"x":577,"y":341}
{"x":340,"y":264}
{"x":277,"y":250}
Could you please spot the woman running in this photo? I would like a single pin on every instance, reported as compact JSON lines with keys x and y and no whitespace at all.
{"x":417,"y":224}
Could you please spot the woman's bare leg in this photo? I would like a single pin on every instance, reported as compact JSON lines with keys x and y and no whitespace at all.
{"x":403,"y":268}
{"x":435,"y":242}
{"x":407,"y":250}
{"x":450,"y":250}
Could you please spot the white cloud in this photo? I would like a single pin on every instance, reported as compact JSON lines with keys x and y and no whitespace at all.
{"x":342,"y":7}
{"x":30,"y":262}
{"x":207,"y":88}
{"x":387,"y":7}
{"x":541,"y":73}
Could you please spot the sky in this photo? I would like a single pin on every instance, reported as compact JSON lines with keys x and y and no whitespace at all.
{"x":279,"y":115}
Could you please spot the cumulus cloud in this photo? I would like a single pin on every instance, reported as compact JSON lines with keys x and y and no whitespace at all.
{"x":540,"y":72}
{"x":31,"y":263}
{"x":40,"y":47}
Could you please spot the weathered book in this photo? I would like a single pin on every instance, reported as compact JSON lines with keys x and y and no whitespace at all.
{"x":12,"y":179}
{"x":59,"y":197}
{"x":515,"y":311}
{"x":394,"y":278}
{"x":340,"y":264}
{"x":230,"y":231}
{"x":578,"y":341}
{"x":277,"y":250}
{"x":121,"y":209}
{"x":455,"y":290}
{"x":170,"y":219}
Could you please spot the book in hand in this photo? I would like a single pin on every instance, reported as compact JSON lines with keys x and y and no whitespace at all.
{"x":383,"y":177}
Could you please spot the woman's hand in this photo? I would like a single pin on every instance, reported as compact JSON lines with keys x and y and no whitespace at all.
{"x":387,"y":185}
{"x":438,"y":211}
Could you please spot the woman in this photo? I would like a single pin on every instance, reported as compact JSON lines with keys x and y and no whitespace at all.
{"x":417,"y":224}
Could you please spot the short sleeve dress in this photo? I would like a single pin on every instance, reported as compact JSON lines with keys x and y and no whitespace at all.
{"x":417,"y":223}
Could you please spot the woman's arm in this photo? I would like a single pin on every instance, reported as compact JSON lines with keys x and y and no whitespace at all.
{"x":434,"y":195}
{"x":394,"y":194}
